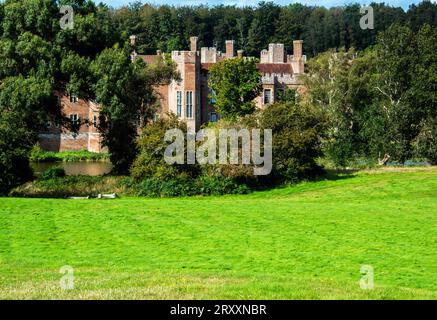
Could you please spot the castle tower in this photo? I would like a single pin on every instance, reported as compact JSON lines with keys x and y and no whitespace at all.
{"x":184,"y":96}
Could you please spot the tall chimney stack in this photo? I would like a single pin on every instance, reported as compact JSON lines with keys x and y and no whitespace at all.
{"x":229,"y":49}
{"x":193,"y":44}
{"x":297,"y":49}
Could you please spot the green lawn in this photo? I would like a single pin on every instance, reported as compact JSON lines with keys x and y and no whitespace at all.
{"x":302,"y":242}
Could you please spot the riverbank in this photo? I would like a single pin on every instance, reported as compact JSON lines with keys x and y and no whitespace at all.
{"x":39,"y":155}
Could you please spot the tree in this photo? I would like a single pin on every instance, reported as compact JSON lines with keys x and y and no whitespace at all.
{"x":297,"y":139}
{"x":235,"y":84}
{"x":25,"y":106}
{"x":126,"y":93}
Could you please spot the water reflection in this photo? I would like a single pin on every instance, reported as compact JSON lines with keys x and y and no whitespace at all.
{"x":74,"y":168}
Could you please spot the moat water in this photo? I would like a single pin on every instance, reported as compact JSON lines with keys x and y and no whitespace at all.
{"x":86,"y":168}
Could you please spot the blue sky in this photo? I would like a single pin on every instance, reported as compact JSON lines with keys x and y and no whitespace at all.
{"x":327,"y":3}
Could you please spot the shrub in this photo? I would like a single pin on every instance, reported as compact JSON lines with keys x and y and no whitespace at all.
{"x":186,"y":186}
{"x":150,"y":163}
{"x":297,"y":139}
{"x":15,"y":144}
{"x":51,"y":173}
{"x":297,"y":135}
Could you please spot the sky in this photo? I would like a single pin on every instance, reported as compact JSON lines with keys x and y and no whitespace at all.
{"x":327,"y":3}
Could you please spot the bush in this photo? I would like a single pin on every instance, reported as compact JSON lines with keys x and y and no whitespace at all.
{"x":15,"y":144}
{"x":52,"y":173}
{"x":297,"y":139}
{"x":150,"y":163}
{"x":185,"y":186}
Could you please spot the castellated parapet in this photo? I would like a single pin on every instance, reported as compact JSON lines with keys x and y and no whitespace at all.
{"x":282,"y":78}
{"x":184,"y":56}
{"x":276,"y":53}
{"x":264,"y":56}
{"x":210,"y":55}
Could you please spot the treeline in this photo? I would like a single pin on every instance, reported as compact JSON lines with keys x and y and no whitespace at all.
{"x":381,"y":103}
{"x":168,"y":28}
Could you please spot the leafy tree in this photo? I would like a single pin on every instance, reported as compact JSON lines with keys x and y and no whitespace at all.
{"x":126,"y":93}
{"x":235,"y":83}
{"x":263,"y":26}
{"x":24,"y":110}
{"x":297,"y":139}
{"x":150,"y":163}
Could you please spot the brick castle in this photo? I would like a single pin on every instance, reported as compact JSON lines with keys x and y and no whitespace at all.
{"x":189,"y":98}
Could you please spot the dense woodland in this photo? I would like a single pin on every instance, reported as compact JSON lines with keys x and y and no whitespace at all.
{"x":370,"y":93}
{"x":169,"y":28}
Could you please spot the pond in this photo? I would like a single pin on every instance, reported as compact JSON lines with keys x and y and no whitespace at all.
{"x":86,"y":168}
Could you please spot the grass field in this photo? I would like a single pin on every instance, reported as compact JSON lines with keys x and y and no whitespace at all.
{"x":302,"y":242}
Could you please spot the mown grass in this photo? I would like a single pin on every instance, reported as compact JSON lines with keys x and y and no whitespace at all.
{"x":301,"y":242}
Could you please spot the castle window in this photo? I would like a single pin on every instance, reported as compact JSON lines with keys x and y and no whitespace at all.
{"x":73,"y":98}
{"x":267,"y":96}
{"x":95,"y":121}
{"x":189,"y":104}
{"x":179,"y":103}
{"x":213,"y":117}
{"x":74,"y":118}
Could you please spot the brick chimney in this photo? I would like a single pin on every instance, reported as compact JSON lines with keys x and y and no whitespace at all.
{"x":193,"y":44}
{"x":229,"y":49}
{"x":298,"y":60}
{"x":240,"y":53}
{"x":297,"y":49}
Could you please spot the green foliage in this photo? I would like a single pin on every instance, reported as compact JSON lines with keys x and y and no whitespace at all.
{"x":235,"y":84}
{"x":381,"y":101}
{"x":253,"y":28}
{"x":126,"y":93}
{"x":39,"y":155}
{"x":184,"y":186}
{"x":297,"y":135}
{"x":23,"y":111}
{"x":150,"y":163}
{"x":15,"y":143}
{"x":52,"y":173}
{"x":30,"y":70}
